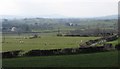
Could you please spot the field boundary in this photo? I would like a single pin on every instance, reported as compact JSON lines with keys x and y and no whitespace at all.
{"x":85,"y":48}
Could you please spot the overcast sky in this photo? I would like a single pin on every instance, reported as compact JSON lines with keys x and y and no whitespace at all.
{"x":70,"y":8}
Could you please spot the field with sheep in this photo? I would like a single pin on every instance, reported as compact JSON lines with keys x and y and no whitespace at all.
{"x":42,"y":43}
{"x":100,"y":59}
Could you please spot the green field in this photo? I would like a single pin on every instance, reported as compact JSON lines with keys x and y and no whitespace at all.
{"x":115,"y":42}
{"x":102,"y":59}
{"x":45,"y":42}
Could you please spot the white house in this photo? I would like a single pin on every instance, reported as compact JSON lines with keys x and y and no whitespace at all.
{"x":14,"y":29}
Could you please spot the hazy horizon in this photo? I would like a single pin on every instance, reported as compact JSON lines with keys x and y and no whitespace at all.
{"x":62,"y":8}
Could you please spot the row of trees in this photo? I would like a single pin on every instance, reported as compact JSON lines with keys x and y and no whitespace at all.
{"x":24,"y":27}
{"x":50,"y":24}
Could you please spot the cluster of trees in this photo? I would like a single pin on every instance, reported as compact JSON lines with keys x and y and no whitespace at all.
{"x":36,"y":24}
{"x":25,"y":26}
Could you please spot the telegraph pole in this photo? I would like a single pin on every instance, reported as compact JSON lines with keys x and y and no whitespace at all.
{"x":103,"y":30}
{"x":3,"y":37}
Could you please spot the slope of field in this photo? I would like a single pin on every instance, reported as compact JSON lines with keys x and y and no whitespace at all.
{"x":115,"y":42}
{"x":102,"y":59}
{"x":45,"y":42}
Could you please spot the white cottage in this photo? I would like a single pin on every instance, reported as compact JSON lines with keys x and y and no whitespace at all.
{"x":14,"y":29}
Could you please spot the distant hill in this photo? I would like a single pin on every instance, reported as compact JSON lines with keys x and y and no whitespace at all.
{"x":38,"y":16}
{"x":55,"y":16}
{"x":107,"y":17}
{"x":11,"y":17}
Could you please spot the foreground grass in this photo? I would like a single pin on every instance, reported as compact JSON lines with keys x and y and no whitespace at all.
{"x":45,"y":42}
{"x":102,"y":59}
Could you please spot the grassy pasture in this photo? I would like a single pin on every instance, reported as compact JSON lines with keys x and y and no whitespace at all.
{"x":45,"y":42}
{"x":102,"y":59}
{"x":115,"y":42}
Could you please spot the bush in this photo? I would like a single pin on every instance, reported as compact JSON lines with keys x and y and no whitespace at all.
{"x":11,"y":54}
{"x":117,"y":46}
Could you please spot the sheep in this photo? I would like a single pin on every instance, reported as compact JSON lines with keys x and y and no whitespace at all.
{"x":81,"y":41}
{"x":21,"y":41}
{"x":25,"y":37}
